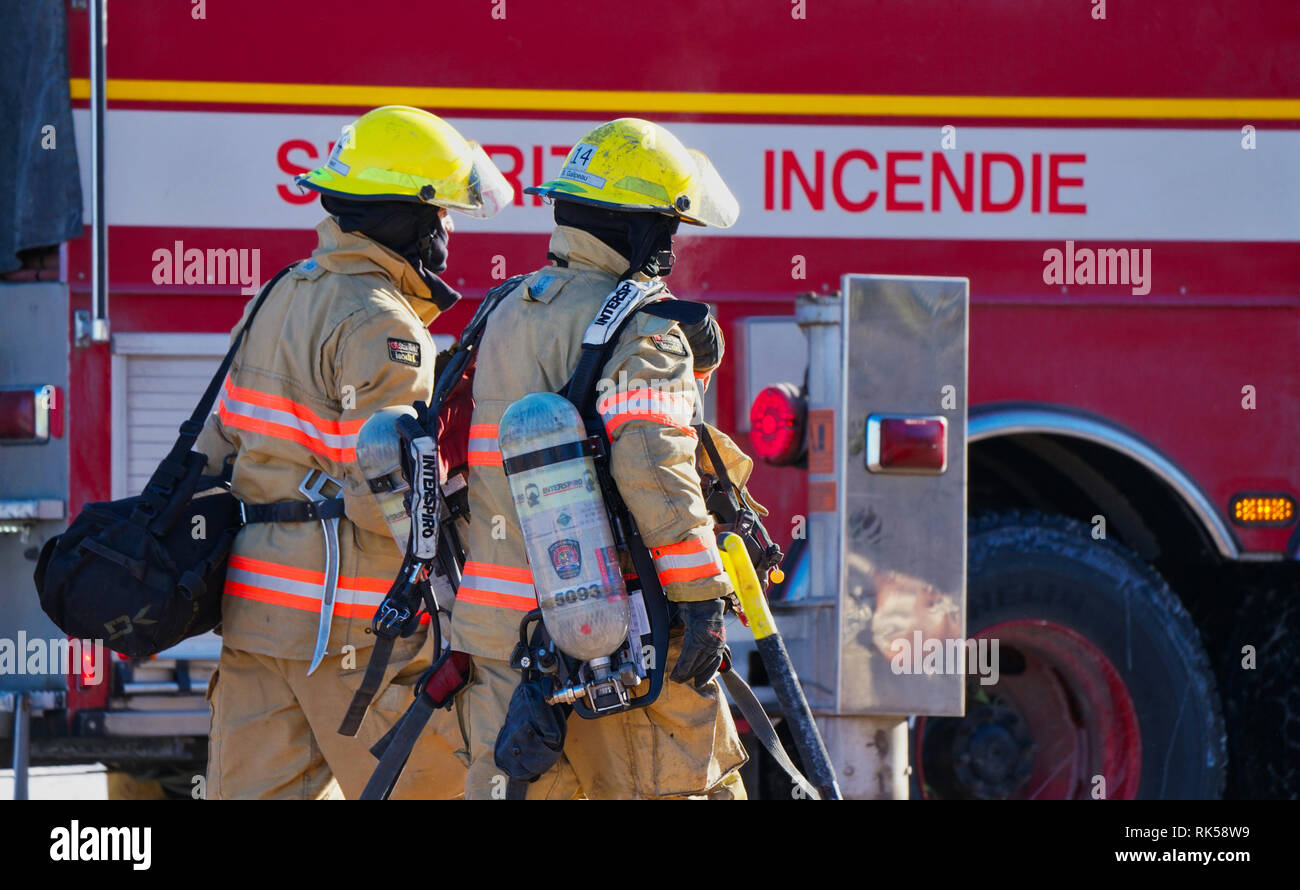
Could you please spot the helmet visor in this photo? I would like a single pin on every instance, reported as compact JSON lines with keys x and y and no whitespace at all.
{"x":712,"y":203}
{"x":482,"y":194}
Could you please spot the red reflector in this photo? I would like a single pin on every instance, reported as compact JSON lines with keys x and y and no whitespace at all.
{"x":18,"y":415}
{"x":91,"y":673}
{"x":897,"y":444}
{"x":776,"y":424}
{"x":29,"y":415}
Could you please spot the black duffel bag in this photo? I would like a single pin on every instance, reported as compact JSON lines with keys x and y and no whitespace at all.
{"x":145,"y":572}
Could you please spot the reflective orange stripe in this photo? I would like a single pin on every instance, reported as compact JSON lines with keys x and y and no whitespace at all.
{"x":288,"y":433}
{"x":506,"y":587}
{"x":614,"y":421}
{"x":667,"y":408}
{"x":691,"y":545}
{"x":303,"y":603}
{"x":302,"y":412}
{"x":293,"y":573}
{"x":491,"y":598}
{"x":482,"y":436}
{"x":688,"y":560}
{"x":504,"y":573}
{"x":302,"y":589}
{"x":274,"y":597}
{"x":670,"y":576}
{"x":669,"y":400}
{"x":281,"y":418}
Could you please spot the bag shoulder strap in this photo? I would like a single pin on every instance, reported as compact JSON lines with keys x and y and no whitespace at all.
{"x":456,"y":359}
{"x":719,"y":467}
{"x":214,"y":385}
{"x":174,"y":466}
{"x":474,"y":330}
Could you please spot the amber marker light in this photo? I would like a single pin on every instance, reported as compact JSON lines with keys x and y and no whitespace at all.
{"x":1263,"y":508}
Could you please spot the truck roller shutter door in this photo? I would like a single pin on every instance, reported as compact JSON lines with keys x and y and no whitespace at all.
{"x":157,"y":380}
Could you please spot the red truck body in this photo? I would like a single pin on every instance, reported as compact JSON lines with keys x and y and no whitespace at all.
{"x":1221,"y":313}
{"x":926,"y":138}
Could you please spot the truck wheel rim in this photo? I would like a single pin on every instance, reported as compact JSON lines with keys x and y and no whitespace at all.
{"x":1059,"y":723}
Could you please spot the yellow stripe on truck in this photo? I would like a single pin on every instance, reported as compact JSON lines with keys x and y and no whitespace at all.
{"x":759,"y":104}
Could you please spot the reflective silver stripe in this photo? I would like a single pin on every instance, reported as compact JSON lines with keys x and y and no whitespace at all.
{"x":302,"y":588}
{"x":498,"y":585}
{"x":272,"y":582}
{"x":289,"y":419}
{"x":647,"y":402}
{"x":689,"y":561}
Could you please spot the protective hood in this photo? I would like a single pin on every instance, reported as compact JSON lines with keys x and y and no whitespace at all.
{"x":413,"y":231}
{"x":644,"y":239}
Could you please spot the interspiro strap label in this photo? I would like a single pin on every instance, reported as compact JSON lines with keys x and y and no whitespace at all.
{"x":424,"y":498}
{"x":617,"y":306}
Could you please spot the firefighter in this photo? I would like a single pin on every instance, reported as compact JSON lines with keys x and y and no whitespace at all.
{"x":623,"y":191}
{"x":344,"y":334}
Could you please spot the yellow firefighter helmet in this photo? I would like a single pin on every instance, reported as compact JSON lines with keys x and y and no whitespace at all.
{"x":407,"y":154}
{"x":635,"y":165}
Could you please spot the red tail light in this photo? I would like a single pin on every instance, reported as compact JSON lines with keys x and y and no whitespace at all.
{"x":30,"y":414}
{"x":92,"y":674}
{"x":776,"y":424}
{"x":900,"y":444}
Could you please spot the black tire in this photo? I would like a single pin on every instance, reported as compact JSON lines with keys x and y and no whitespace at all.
{"x":1263,"y":703}
{"x":1032,"y":565}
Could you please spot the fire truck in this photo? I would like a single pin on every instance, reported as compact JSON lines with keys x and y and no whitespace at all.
{"x":1012,"y":312}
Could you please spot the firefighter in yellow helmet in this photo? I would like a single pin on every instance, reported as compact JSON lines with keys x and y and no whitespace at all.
{"x":342,"y":335}
{"x":623,"y":191}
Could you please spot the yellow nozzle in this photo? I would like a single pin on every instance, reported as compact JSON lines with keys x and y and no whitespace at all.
{"x":735,"y":559}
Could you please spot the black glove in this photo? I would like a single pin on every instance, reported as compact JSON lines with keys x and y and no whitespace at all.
{"x":703,"y":643}
{"x":706,"y":342}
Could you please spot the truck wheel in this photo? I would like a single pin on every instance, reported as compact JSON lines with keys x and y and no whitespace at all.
{"x":1103,"y":687}
{"x":1260,"y":692}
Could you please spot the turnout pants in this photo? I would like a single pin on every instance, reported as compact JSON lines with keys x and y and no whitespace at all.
{"x":683,"y":746}
{"x":275,"y":729}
